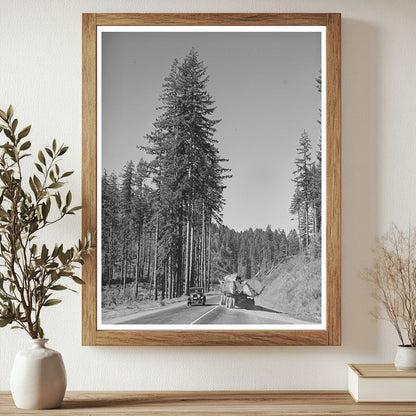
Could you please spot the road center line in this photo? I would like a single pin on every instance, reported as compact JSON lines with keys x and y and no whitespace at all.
{"x":206,"y":313}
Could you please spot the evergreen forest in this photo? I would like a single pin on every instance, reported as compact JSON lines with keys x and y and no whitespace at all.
{"x":162,"y":230}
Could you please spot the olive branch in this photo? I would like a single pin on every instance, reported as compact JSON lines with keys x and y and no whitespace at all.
{"x":31,"y":273}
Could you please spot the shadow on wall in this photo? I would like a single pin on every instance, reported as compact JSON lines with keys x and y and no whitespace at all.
{"x":360,"y":180}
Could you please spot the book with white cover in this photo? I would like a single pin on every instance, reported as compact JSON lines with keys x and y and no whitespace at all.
{"x":381,"y":383}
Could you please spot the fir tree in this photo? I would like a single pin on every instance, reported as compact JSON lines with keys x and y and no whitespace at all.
{"x":186,"y":171}
{"x":303,"y":192}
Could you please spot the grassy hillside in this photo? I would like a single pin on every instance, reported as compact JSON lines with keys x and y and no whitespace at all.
{"x":294,"y":287}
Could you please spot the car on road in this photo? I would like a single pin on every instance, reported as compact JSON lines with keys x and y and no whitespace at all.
{"x":196,"y":296}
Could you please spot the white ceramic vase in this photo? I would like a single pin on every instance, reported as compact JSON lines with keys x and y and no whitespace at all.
{"x":38,"y":378}
{"x":405,"y":358}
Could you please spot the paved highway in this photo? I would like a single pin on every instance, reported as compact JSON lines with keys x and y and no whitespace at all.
{"x":212,"y":313}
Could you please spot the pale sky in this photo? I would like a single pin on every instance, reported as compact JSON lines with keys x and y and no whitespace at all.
{"x":264,"y":89}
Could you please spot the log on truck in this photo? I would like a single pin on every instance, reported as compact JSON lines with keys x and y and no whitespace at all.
{"x":236,"y":292}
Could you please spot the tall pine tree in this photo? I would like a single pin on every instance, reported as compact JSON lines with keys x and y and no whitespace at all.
{"x":303,"y":193}
{"x":186,"y":171}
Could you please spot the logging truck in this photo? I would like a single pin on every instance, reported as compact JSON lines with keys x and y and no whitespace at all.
{"x":236,"y":292}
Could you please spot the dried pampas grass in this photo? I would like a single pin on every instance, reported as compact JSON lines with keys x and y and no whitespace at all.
{"x":393,"y":277}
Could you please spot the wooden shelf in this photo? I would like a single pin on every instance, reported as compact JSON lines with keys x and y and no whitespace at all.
{"x":212,"y":403}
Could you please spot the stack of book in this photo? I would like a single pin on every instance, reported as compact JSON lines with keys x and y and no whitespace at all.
{"x":381,"y":383}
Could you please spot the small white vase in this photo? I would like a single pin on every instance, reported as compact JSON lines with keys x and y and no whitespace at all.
{"x":405,"y":358}
{"x":38,"y":378}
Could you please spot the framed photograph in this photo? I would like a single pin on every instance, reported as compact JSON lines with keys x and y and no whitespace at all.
{"x":211,"y":172}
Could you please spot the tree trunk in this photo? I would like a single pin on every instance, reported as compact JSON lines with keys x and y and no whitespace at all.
{"x":142,"y":255}
{"x":203,"y":249}
{"x":169,"y":288}
{"x":136,"y":288}
{"x":155,"y":258}
{"x":149,"y":252}
{"x":209,"y":255}
{"x":177,"y":291}
{"x":110,"y":274}
{"x":197,"y":259}
{"x":300,"y":233}
{"x":124,"y":272}
{"x":187,"y":245}
{"x":110,"y":257}
{"x":307,"y":223}
{"x":164,"y":280}
{"x":191,"y":255}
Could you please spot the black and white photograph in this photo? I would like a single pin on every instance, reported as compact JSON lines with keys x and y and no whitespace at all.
{"x":211,"y":178}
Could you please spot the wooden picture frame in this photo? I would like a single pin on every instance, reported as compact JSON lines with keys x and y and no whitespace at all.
{"x":331,"y":334}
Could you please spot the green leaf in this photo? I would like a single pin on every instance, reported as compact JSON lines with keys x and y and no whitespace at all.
{"x":67,"y":174}
{"x":55,"y":251}
{"x":33,"y":187}
{"x":51,"y":302}
{"x":5,"y":321}
{"x":40,"y":332}
{"x":34,"y":249}
{"x":44,"y":253}
{"x":14,"y":125}
{"x":8,"y":133}
{"x":77,"y":208}
{"x":59,"y":287}
{"x":68,"y":198}
{"x":24,"y":133}
{"x":63,"y":150}
{"x":45,"y":211}
{"x":39,"y":167}
{"x":3,"y":115}
{"x":58,"y":199}
{"x":10,"y":112}
{"x":62,"y":257}
{"x":41,"y":157}
{"x":54,"y":145}
{"x":37,"y":183}
{"x":56,"y":185}
{"x":25,"y":145}
{"x":49,"y":152}
{"x":76,"y":279}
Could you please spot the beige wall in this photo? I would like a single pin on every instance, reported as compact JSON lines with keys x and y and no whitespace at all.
{"x":40,"y":73}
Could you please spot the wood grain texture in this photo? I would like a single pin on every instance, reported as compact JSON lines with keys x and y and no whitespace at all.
{"x":380,"y":371}
{"x":89,"y":173}
{"x":179,"y":403}
{"x":330,"y":336}
{"x":211,"y":19}
{"x":212,"y":338}
{"x":333,"y":179}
